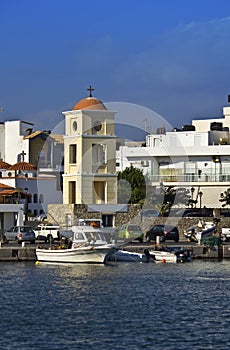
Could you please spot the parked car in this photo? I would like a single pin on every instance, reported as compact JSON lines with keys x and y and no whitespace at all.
{"x":150,"y":213}
{"x":129,"y":232}
{"x":165,"y":232}
{"x":194,"y":212}
{"x":48,"y":233}
{"x":19,"y":234}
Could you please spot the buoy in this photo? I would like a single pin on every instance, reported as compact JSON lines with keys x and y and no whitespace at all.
{"x":163,"y":261}
{"x":37,"y":263}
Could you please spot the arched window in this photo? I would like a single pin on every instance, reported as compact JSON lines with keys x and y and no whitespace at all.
{"x":41,"y":198}
{"x":35,"y":198}
{"x":35,"y":212}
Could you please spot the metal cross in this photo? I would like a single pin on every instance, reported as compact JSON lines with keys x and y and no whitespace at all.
{"x":23,"y":156}
{"x":90,"y":89}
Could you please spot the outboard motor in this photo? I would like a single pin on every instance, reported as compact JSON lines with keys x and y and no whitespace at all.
{"x":148,"y":255}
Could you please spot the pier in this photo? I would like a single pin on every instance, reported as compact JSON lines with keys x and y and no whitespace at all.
{"x":13,"y":252}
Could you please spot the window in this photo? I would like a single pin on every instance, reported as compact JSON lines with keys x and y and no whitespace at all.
{"x":75,"y":125}
{"x":35,"y":198}
{"x":99,"y":192}
{"x":145,"y":163}
{"x":41,"y":198}
{"x":99,"y":154}
{"x":73,"y":154}
{"x":97,"y":126}
{"x":72,"y":192}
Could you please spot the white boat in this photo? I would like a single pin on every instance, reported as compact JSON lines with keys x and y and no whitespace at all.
{"x":88,"y":245}
{"x":203,"y":229}
{"x":125,"y":255}
{"x":161,"y":256}
{"x":164,"y":255}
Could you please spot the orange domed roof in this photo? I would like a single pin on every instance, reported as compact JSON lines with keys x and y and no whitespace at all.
{"x":90,"y":103}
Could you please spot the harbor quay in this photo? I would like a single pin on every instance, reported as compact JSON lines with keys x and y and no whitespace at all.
{"x":13,"y":252}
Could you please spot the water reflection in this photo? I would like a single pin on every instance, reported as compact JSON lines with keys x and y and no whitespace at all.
{"x":123,"y":306}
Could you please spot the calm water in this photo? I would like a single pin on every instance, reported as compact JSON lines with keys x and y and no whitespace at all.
{"x":126,"y":306}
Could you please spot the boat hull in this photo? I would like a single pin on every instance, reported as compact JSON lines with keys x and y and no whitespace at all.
{"x":97,"y":256}
{"x":163,"y":256}
{"x":149,"y":256}
{"x":123,"y":255}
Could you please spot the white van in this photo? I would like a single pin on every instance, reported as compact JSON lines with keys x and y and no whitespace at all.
{"x":90,"y":222}
{"x":47,"y":233}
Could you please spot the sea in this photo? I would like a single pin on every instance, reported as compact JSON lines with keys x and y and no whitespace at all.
{"x":127,"y":306}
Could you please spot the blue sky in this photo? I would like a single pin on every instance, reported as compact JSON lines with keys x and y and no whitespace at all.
{"x":171,"y":57}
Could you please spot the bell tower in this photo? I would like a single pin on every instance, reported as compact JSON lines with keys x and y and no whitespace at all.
{"x":90,"y":153}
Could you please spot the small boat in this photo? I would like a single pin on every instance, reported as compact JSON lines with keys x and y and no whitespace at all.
{"x":172,"y":254}
{"x":125,"y":255}
{"x":163,"y":255}
{"x":197,"y":232}
{"x":160,"y":256}
{"x":88,"y":245}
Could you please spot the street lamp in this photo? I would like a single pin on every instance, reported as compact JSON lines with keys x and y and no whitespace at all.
{"x":216,"y":161}
{"x":200,"y":194}
{"x":26,"y":203}
{"x":192,"y":193}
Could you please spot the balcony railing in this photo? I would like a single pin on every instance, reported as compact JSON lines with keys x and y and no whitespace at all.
{"x":189,"y":178}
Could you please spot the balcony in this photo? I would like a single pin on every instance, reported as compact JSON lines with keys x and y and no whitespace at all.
{"x":188,"y":178}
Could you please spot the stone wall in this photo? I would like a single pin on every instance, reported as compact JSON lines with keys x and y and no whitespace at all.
{"x":57,"y":214}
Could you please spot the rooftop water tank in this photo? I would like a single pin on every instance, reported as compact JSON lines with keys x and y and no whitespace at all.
{"x":216,"y":126}
{"x":188,"y":128}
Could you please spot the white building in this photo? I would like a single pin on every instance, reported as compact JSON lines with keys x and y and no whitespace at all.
{"x":196,"y":157}
{"x":35,"y":164}
{"x":12,"y":142}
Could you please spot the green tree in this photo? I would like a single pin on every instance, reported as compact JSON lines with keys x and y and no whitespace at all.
{"x":164,"y":197}
{"x":131,"y":186}
{"x":225,"y":198}
{"x":175,"y":196}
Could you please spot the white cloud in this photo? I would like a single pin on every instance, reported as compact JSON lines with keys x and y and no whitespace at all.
{"x":183,"y":58}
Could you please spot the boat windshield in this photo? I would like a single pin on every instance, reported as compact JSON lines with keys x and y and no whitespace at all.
{"x":79,"y":236}
{"x":95,"y":235}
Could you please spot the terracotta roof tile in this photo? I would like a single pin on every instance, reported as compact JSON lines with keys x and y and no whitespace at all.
{"x":22,"y":166}
{"x":7,"y":192}
{"x":5,"y":186}
{"x":4,"y":165}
